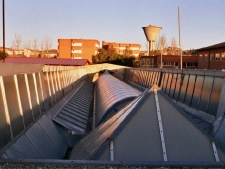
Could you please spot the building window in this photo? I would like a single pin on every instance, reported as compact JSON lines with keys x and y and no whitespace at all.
{"x":200,"y":58}
{"x":134,"y":48}
{"x":142,"y":62}
{"x":76,"y":57}
{"x":189,"y":64}
{"x":76,"y":44}
{"x":217,"y":56}
{"x":212,"y":56}
{"x":223,"y":56}
{"x":206,"y":57}
{"x":122,"y":48}
{"x":170,"y":63}
{"x":76,"y":51}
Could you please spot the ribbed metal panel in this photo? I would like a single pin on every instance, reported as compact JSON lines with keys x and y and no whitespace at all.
{"x":74,"y":115}
{"x":111,"y":92}
{"x":136,"y":133}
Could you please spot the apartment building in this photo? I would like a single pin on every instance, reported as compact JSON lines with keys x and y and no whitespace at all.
{"x":77,"y":48}
{"x":123,"y":48}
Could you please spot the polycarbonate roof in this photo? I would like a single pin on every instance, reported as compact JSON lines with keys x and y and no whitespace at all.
{"x":111,"y":91}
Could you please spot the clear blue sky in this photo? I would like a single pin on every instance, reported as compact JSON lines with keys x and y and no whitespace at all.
{"x":202,"y":22}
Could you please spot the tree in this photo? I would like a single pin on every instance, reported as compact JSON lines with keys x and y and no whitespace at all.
{"x":2,"y":55}
{"x":47,"y":44}
{"x":161,"y":42}
{"x":35,"y":47}
{"x":104,"y":55}
{"x":110,"y":56}
{"x":127,"y":52}
{"x":17,"y":43}
{"x":27,"y":44}
{"x":173,"y":46}
{"x":42,"y":49}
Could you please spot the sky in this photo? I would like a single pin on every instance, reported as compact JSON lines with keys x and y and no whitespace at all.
{"x":202,"y":21}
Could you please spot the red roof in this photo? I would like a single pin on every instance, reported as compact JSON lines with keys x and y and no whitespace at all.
{"x":47,"y":61}
{"x":216,"y":46}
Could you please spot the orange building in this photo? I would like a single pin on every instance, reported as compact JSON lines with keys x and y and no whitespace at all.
{"x":77,"y":48}
{"x":122,"y":48}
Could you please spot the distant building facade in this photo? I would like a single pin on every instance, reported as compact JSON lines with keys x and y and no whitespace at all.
{"x":169,"y":61}
{"x":212,"y":57}
{"x":77,"y":48}
{"x":123,"y":48}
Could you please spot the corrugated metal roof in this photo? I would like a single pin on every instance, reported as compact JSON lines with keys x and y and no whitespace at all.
{"x":74,"y":115}
{"x":47,"y":61}
{"x":136,"y":136}
{"x":111,"y":93}
{"x":95,"y":139}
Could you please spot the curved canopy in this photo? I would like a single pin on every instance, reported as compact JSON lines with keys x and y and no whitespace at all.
{"x":111,"y":95}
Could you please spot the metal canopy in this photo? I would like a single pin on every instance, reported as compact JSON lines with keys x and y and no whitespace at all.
{"x":74,"y":115}
{"x":111,"y":95}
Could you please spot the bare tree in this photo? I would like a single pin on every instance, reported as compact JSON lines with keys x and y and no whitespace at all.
{"x":161,"y":43}
{"x":13,"y":48}
{"x":173,"y":42}
{"x":173,"y":46}
{"x":42,"y":48}
{"x":35,"y":47}
{"x":17,"y":42}
{"x":47,"y":44}
{"x":27,"y":44}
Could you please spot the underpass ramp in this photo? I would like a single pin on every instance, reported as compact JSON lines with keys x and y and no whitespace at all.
{"x":75,"y":113}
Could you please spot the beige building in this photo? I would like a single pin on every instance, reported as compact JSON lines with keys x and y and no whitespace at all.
{"x":122,"y":48}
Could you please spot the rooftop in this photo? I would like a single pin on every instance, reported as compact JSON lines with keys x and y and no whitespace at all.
{"x":47,"y":61}
{"x":216,"y":46}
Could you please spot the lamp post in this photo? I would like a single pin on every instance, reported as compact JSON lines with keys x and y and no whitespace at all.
{"x":3,"y":27}
{"x":181,"y":63}
{"x":161,"y":47}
